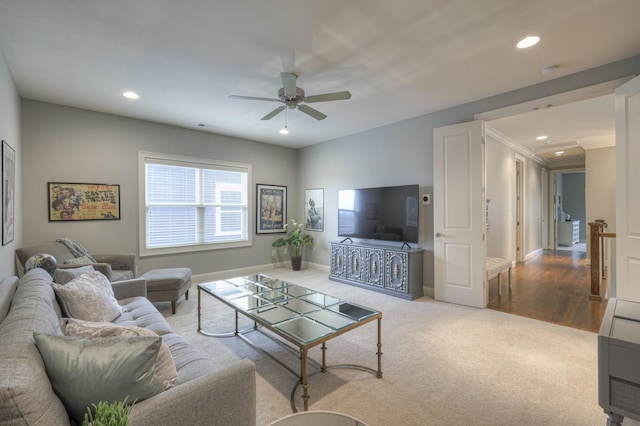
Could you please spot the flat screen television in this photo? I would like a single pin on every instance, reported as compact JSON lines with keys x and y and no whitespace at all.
{"x":387,"y":213}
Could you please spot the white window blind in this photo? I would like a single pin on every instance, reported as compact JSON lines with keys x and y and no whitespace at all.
{"x":193,"y":204}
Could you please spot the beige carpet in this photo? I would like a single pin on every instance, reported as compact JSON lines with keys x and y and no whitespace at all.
{"x":443,"y":364}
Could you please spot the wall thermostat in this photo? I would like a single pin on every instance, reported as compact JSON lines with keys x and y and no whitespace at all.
{"x":426,"y":198}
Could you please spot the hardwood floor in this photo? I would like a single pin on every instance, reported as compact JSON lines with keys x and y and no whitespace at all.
{"x":552,"y":287}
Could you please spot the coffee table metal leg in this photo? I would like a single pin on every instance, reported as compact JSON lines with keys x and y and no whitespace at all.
{"x":304,"y":378}
{"x":379,"y":353}
{"x":199,"y":327}
{"x":324,"y":357}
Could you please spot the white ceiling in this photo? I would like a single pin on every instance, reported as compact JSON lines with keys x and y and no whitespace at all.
{"x":399,"y":59}
{"x":570,"y":128}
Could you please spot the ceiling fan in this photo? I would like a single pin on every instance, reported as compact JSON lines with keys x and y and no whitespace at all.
{"x":293,"y":97}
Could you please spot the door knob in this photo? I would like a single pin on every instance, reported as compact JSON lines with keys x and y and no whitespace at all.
{"x":439,"y":235}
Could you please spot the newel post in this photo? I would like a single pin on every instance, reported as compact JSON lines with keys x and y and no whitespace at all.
{"x":596,"y":228}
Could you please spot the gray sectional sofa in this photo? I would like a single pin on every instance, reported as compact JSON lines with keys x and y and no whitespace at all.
{"x":205,"y":391}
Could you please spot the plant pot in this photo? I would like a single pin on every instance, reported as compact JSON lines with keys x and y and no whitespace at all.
{"x":296,"y":263}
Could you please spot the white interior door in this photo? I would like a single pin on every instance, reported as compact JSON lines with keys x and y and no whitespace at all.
{"x":627,"y":101}
{"x":459,"y":226}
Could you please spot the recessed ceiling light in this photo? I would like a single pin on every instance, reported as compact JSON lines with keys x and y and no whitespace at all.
{"x":541,"y":137}
{"x":559,"y":153}
{"x":528,"y":42}
{"x":130,"y":95}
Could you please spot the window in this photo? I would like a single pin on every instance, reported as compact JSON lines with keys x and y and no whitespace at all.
{"x":190,"y":204}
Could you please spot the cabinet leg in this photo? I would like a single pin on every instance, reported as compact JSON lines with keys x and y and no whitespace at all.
{"x":615,"y":419}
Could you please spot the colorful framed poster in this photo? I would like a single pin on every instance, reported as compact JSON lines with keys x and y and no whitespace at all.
{"x":83,"y":201}
{"x":271,"y":209}
{"x":314,"y":209}
{"x":8,"y":193}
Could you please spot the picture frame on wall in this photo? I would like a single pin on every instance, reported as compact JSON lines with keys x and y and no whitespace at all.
{"x":314,"y":209}
{"x":75,"y":202}
{"x":271,"y":209}
{"x":8,"y":193}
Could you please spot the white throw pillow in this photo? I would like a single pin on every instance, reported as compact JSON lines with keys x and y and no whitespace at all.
{"x":88,"y":297}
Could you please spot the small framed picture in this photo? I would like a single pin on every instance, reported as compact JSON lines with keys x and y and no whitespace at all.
{"x":8,"y":192}
{"x":271,"y":209}
{"x":314,"y":209}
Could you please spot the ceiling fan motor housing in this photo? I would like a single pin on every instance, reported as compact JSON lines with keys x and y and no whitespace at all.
{"x":291,"y":102}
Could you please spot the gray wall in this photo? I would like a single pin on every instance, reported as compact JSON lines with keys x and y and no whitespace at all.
{"x":402,"y":153}
{"x":61,"y":143}
{"x":600,"y":188}
{"x":73,"y":145}
{"x":10,"y":133}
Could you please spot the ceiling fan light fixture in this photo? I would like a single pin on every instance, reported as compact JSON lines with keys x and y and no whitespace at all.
{"x":528,"y":42}
{"x":284,"y":130}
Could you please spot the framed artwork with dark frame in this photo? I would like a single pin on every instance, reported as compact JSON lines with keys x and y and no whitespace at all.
{"x":83,"y":201}
{"x":271,"y":209}
{"x":8,"y":193}
{"x":314,"y":209}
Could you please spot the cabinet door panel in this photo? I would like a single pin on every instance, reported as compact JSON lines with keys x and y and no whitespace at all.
{"x":375,"y":267}
{"x":396,"y":276}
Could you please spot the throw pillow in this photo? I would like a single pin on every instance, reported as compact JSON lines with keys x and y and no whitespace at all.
{"x":63,"y":276}
{"x":87,"y":371}
{"x":88,"y":297}
{"x":82,"y":260}
{"x":165,"y":367}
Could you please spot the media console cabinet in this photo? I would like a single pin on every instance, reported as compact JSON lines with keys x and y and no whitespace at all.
{"x":386,"y":269}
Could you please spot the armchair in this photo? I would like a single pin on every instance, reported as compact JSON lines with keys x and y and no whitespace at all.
{"x":115,"y":267}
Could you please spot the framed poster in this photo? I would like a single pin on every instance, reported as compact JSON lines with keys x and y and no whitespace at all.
{"x":8,"y":193}
{"x":83,"y":201}
{"x":314,"y":209}
{"x":271,"y":209}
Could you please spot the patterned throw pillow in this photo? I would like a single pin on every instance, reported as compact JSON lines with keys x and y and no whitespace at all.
{"x":88,"y":297}
{"x":87,"y":371}
{"x":165,"y":367}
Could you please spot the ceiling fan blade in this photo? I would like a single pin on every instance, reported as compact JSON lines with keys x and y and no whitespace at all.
{"x":253,"y":98}
{"x":337,"y":96}
{"x":312,"y":112}
{"x":273,"y":113}
{"x":289,"y":84}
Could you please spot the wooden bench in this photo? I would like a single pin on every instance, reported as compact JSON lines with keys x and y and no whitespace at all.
{"x":495,"y":267}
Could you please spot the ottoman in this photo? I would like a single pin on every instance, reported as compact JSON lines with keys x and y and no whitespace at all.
{"x":168,"y":285}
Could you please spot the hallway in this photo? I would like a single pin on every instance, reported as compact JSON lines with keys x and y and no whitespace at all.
{"x":553,"y":287}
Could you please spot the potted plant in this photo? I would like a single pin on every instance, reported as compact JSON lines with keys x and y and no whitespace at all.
{"x":296,"y":240}
{"x":108,"y":414}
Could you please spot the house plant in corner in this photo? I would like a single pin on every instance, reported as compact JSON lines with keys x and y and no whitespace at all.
{"x":296,"y":241}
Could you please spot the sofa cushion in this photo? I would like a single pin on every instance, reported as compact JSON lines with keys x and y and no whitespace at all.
{"x":63,"y":276}
{"x":89,"y":297}
{"x":165,"y":367}
{"x":87,"y":371}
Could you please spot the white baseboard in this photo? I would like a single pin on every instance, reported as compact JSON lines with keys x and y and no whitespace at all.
{"x":533,"y":254}
{"x":229,"y":273}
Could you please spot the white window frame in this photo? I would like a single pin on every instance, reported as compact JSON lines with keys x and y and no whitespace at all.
{"x":176,"y":160}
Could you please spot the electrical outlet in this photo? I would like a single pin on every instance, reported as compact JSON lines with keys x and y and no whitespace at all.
{"x":273,"y":252}
{"x":286,"y":251}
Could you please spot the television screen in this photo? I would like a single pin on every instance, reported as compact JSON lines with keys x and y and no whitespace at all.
{"x":387,"y":213}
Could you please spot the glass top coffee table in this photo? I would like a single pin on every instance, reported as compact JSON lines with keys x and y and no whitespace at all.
{"x":301,"y":316}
